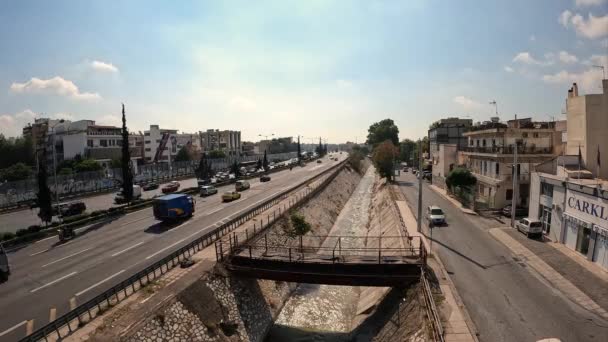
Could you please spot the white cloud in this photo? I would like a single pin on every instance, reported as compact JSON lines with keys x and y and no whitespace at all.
{"x":582,"y":3}
{"x":103,"y":67}
{"x":466,"y":102}
{"x":564,"y":18}
{"x":601,"y":60}
{"x":525,"y":58}
{"x":508,"y":69}
{"x":12,"y":124}
{"x":54,"y":86}
{"x":593,"y":27}
{"x":567,"y":58}
{"x":588,"y":80}
{"x":109,"y":120}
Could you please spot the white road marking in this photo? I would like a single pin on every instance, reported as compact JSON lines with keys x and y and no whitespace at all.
{"x":12,"y":328}
{"x":126,"y":249}
{"x":213,"y":211}
{"x":53,"y":282}
{"x":50,"y":237}
{"x":99,"y":283}
{"x":164,"y":249}
{"x":42,"y":251}
{"x":65,"y":257}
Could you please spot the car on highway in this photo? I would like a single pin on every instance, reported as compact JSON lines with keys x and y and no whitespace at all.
{"x":208,"y":190}
{"x":150,"y":186}
{"x":519,"y":211}
{"x":435,"y":216}
{"x":241,"y":185}
{"x":70,"y":208}
{"x":171,"y":187}
{"x":265,"y":178}
{"x":229,"y":196}
{"x":120,"y":198}
{"x":530,"y":227}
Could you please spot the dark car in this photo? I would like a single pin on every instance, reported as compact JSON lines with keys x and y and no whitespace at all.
{"x":170,"y":187}
{"x":319,"y":161}
{"x":150,"y":186}
{"x":265,"y":178}
{"x":71,"y":209}
{"x":519,"y":211}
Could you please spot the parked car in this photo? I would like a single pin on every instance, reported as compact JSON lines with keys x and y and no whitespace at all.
{"x":427,"y":175}
{"x":171,"y":187}
{"x":150,"y":186}
{"x":435,"y":215}
{"x":241,"y":185}
{"x":207,"y":190}
{"x":519,"y":211}
{"x":70,"y":209}
{"x":405,"y":169}
{"x":319,"y":161}
{"x":120,"y":198}
{"x":202,"y":182}
{"x":265,"y":178}
{"x":230,"y":196}
{"x":530,"y":227}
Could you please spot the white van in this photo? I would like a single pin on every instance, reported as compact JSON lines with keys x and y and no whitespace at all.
{"x":529,"y":227}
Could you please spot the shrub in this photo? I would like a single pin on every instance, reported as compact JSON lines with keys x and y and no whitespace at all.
{"x":22,"y":232}
{"x":299,"y":224}
{"x":7,"y":236}
{"x":34,"y":228}
{"x":98,"y":213}
{"x":75,"y":218}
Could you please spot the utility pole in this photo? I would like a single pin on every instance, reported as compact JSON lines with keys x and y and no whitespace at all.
{"x":515,"y":183}
{"x":419,"y":226}
{"x":55,"y":171}
{"x":495,"y":106}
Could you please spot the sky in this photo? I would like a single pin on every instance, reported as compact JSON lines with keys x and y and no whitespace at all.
{"x":310,"y":68}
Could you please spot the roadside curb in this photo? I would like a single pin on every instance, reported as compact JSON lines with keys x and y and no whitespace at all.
{"x":457,"y":204}
{"x":559,"y":282}
{"x":442,"y":272}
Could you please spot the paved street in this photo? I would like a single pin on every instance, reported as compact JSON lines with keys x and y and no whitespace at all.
{"x":506,"y":300}
{"x":46,"y":274}
{"x":11,"y":222}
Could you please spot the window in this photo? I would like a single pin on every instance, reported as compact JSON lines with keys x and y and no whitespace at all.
{"x":103,"y":142}
{"x":485,"y":166}
{"x":509,"y":194}
{"x":493,"y":142}
{"x":497,"y":168}
{"x":148,"y":149}
{"x":157,"y":140}
{"x":148,"y":141}
{"x":546,"y":189}
{"x":477,"y":142}
{"x":535,"y":135}
{"x":483,"y":143}
{"x":89,"y":143}
{"x":524,"y":135}
{"x":147,"y":134}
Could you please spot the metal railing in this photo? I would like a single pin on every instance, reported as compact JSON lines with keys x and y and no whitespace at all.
{"x":508,"y":150}
{"x":431,"y":309}
{"x":75,"y":319}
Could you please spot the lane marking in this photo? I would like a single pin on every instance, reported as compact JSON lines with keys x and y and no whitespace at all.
{"x":164,"y":249}
{"x":65,"y":257}
{"x":99,"y":283}
{"x":126,"y":249}
{"x":42,"y":251}
{"x":12,"y":328}
{"x":213,"y":211}
{"x":50,"y":237}
{"x":53,"y":282}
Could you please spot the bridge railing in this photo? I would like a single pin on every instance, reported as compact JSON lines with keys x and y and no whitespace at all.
{"x":431,"y":309}
{"x":66,"y":324}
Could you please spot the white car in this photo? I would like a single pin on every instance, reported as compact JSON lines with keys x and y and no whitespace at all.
{"x":529,"y":227}
{"x":435,"y":215}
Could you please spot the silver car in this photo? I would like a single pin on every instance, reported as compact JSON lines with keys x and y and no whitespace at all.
{"x":530,"y":227}
{"x":435,"y":215}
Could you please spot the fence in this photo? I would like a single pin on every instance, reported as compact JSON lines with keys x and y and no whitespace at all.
{"x":19,"y":192}
{"x":74,"y":318}
{"x":431,"y":309}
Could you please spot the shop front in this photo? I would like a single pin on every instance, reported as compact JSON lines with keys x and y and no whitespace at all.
{"x":586,"y":226}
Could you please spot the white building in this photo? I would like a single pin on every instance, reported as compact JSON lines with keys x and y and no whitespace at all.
{"x":227,"y":141}
{"x":444,"y":160}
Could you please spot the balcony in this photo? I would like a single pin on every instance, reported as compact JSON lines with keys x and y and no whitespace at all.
{"x":496,"y":150}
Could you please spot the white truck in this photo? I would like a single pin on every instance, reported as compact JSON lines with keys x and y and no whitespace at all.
{"x":5,"y":270}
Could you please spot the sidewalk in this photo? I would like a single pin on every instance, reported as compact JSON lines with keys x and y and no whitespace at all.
{"x":457,"y":327}
{"x":580,"y":282}
{"x":454,"y":201}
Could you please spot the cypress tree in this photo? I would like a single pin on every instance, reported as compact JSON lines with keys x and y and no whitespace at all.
{"x":127,"y":174}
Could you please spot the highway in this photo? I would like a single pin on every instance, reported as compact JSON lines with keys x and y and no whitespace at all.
{"x":47,"y":274}
{"x":507,"y":301}
{"x":11,"y":222}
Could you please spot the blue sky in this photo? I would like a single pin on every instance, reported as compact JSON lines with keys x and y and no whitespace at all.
{"x":314,"y":68}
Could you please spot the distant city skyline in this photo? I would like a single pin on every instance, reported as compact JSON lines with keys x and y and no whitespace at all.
{"x":313,"y":68}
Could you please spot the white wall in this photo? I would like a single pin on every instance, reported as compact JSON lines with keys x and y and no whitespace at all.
{"x":74,"y":144}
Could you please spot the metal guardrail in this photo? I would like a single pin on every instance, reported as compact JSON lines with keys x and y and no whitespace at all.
{"x":73,"y":320}
{"x":431,"y":309}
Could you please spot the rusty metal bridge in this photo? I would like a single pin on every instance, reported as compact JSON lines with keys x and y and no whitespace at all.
{"x":336,"y":260}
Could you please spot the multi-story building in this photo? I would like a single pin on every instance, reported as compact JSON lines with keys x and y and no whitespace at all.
{"x":490,"y":157}
{"x":156,"y":138}
{"x":448,"y":131}
{"x":227,"y":141}
{"x":248,"y":148}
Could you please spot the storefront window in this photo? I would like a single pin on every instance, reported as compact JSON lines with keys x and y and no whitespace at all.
{"x":582,"y":242}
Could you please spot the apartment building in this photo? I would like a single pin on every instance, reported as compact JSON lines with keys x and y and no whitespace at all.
{"x":171,"y":142}
{"x":227,"y":141}
{"x":490,"y":157}
{"x":446,"y":138}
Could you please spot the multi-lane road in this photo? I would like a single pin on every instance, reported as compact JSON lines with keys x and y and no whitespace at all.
{"x":47,"y":274}
{"x":507,"y":301}
{"x":11,"y":222}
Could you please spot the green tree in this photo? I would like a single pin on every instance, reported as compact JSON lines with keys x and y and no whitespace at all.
{"x":16,"y":150}
{"x":384,"y":159}
{"x":299,"y":151}
{"x":217,"y":154}
{"x":354,"y":160}
{"x":44,"y":193}
{"x":234,"y":168}
{"x":127,"y":173}
{"x":382,"y":131}
{"x":16,"y":172}
{"x":87,"y":165}
{"x":182,"y":155}
{"x":460,"y":177}
{"x":407,"y":149}
{"x":299,"y":224}
{"x":116,"y":164}
{"x":265,"y":162}
{"x":259,"y":163}
{"x":66,"y":171}
{"x":202,"y":172}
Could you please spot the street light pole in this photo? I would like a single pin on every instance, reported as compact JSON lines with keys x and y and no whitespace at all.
{"x":515,"y":184}
{"x":419,"y":226}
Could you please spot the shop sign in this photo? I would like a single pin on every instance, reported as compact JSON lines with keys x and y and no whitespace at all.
{"x":592,"y":209}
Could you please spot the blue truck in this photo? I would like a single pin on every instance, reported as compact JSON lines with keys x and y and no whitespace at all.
{"x":173,"y":207}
